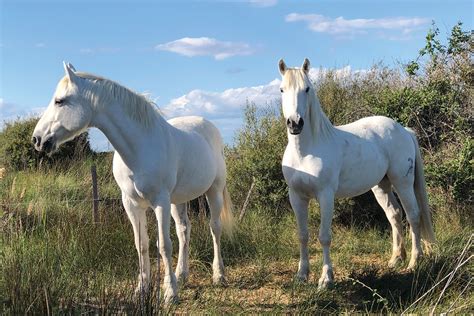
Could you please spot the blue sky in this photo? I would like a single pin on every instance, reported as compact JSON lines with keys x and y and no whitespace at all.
{"x":203,"y":57}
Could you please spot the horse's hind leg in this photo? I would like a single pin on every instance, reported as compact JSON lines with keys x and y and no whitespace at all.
{"x":386,"y":199}
{"x":407,"y":196}
{"x":183,"y":231}
{"x":137,"y":216}
{"x":215,"y":198}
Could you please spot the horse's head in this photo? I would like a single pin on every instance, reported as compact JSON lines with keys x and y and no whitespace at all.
{"x":295,"y":88}
{"x":68,"y":114}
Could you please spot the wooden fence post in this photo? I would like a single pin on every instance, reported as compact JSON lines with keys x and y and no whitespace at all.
{"x":95,"y":195}
{"x":247,"y":199}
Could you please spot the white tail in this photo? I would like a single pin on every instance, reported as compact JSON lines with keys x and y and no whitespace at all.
{"x":227,"y":217}
{"x":426,"y":224}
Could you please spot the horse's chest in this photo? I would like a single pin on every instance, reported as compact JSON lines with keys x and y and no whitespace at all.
{"x":307,"y":174}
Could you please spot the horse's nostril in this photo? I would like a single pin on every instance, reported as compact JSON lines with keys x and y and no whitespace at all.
{"x":36,"y":140}
{"x":288,"y":122}
{"x":47,"y":145}
{"x":300,"y":122}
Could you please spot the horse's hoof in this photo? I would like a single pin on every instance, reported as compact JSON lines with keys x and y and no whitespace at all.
{"x":411,"y":266}
{"x":395,"y":262}
{"x":141,"y":291}
{"x":326,"y":281}
{"x":182,"y":277}
{"x":301,"y":278}
{"x":219,"y":280}
{"x":325,"y":285}
{"x":170,"y":298}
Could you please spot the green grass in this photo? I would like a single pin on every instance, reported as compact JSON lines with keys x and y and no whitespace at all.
{"x":54,"y":259}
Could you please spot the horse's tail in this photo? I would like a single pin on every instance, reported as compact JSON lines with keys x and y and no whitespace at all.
{"x":426,"y":223}
{"x":227,"y":217}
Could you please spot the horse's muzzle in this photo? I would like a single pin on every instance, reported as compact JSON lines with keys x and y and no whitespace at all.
{"x":48,"y":145}
{"x":295,"y":127}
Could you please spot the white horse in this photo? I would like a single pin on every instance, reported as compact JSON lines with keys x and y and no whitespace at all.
{"x":323,"y":161}
{"x":157,"y":164}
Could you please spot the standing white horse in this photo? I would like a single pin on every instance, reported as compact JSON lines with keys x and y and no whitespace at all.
{"x":323,"y":161}
{"x":157,"y":164}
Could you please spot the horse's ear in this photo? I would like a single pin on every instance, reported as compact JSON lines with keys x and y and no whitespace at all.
{"x":71,"y":67}
{"x":305,"y":65}
{"x":70,"y":71}
{"x":282,"y":67}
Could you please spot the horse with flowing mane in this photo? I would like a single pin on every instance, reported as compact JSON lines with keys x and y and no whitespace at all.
{"x":323,"y":161}
{"x":157,"y":164}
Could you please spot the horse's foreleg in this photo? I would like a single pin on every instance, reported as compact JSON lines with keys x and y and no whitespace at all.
{"x":386,"y":199}
{"x":183,"y":231}
{"x":162,"y":210}
{"x":326,"y":205}
{"x":215,"y":199}
{"x":300,"y":208}
{"x":137,"y":216}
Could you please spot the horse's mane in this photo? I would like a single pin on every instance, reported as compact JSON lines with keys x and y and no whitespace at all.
{"x":103,"y":91}
{"x":320,"y":124}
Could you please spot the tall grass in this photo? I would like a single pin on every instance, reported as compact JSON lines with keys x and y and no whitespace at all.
{"x":55,"y":259}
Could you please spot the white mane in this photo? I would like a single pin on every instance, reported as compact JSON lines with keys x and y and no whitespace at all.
{"x":103,"y":92}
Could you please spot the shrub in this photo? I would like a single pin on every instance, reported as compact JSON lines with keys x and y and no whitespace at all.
{"x":17,"y":152}
{"x":256,"y":157}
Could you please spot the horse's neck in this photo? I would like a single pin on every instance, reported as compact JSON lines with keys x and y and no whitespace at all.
{"x":127,"y":136}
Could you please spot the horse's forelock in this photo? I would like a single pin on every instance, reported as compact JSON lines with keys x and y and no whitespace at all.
{"x":294,"y":78}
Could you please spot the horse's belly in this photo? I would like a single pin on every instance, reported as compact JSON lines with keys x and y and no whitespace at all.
{"x":195,"y":178}
{"x":361,"y":176}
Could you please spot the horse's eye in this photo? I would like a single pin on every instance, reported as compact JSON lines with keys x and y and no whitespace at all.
{"x":59,"y":102}
{"x":281,"y":90}
{"x":307,"y":89}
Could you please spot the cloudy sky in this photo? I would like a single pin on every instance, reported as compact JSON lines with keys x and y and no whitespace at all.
{"x":203,"y":57}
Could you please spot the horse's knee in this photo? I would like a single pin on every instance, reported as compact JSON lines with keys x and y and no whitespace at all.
{"x":393,"y":215}
{"x":216,"y":226}
{"x":164,"y":248}
{"x":324,"y":239}
{"x":413,"y":218}
{"x":303,"y":237}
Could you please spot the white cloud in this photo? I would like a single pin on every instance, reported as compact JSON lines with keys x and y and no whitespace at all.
{"x":40,"y":45}
{"x":263,"y":3}
{"x":225,"y":104}
{"x":342,"y":26}
{"x":205,"y":46}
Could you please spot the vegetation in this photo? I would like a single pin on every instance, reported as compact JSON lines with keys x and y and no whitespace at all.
{"x":55,"y":259}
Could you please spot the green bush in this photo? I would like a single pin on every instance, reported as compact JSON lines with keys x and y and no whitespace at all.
{"x":256,"y":158}
{"x":18,"y":153}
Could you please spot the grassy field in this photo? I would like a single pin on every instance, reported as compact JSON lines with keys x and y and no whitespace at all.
{"x":54,"y":259}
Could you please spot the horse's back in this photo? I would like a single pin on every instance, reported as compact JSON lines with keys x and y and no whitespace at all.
{"x":201,"y":126}
{"x":382,"y":130}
